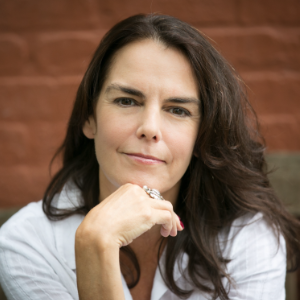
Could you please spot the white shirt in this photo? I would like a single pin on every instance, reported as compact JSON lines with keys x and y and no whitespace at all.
{"x":37,"y":258}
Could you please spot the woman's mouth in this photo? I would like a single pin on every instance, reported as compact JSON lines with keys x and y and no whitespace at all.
{"x":144,"y":159}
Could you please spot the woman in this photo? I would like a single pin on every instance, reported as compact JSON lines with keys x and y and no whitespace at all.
{"x":158,"y":108}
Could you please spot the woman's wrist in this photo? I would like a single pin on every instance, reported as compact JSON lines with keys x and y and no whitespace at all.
{"x":94,"y":239}
{"x":98,"y":271}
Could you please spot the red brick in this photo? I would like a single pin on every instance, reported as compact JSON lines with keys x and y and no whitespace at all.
{"x":13,"y":54}
{"x":200,"y":13}
{"x":274,"y":94}
{"x":14,"y":146}
{"x":31,"y":143}
{"x":281,"y":132}
{"x":22,"y":184}
{"x":254,"y":49}
{"x":66,"y":53}
{"x":259,"y":12}
{"x":46,"y":138}
{"x":36,"y":15}
{"x":23,"y":99}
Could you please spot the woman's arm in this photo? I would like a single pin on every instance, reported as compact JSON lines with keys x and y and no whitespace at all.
{"x":116,"y":222}
{"x":98,"y":273}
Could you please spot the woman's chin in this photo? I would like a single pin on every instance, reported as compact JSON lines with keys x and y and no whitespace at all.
{"x":154,"y":183}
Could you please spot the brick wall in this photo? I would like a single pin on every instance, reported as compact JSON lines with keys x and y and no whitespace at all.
{"x":45,"y":47}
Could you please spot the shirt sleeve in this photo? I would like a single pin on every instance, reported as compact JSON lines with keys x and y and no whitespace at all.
{"x":27,"y":267}
{"x":258,"y":261}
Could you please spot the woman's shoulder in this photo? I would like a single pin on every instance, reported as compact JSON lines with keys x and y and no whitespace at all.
{"x":33,"y":216}
{"x":36,"y":252}
{"x":31,"y":213}
{"x":251,"y":231}
{"x":31,"y":231}
{"x":257,"y":257}
{"x":31,"y":222}
{"x":28,"y":229}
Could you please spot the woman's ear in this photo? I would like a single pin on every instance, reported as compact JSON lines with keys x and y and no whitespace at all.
{"x":89,"y":128}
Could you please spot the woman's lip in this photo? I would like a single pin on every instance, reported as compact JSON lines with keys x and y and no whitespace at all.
{"x":146,"y":157}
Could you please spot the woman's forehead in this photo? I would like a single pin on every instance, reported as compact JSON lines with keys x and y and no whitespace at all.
{"x":147,"y":64}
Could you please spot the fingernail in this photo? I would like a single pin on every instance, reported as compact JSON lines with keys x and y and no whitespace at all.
{"x":181,"y":224}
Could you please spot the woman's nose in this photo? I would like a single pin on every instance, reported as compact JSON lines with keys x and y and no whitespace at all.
{"x":149,"y":127}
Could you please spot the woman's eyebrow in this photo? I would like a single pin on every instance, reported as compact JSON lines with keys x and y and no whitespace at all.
{"x":135,"y":92}
{"x":125,"y":89}
{"x":183,"y":100}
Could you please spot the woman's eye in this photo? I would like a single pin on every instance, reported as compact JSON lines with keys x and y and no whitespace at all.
{"x":125,"y":101}
{"x":181,"y":112}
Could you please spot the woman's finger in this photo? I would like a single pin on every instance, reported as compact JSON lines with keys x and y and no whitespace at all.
{"x":179,"y":223}
{"x":166,"y":205}
{"x":164,"y":218}
{"x":169,"y":228}
{"x":159,"y":204}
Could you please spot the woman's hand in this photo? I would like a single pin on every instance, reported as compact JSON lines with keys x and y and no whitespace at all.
{"x":125,"y":215}
{"x":116,"y":222}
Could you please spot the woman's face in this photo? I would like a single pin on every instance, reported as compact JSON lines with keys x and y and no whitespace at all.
{"x":147,"y":119}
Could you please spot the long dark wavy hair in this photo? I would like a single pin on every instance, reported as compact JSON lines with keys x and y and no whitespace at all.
{"x":227,"y":176}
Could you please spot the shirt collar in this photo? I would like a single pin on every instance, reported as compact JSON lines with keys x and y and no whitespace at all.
{"x":159,"y":286}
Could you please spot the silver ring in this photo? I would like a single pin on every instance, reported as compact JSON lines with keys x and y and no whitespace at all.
{"x":153,"y":193}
